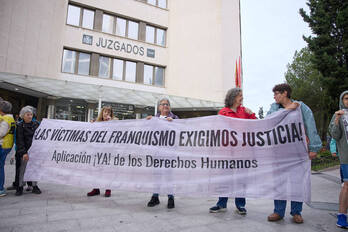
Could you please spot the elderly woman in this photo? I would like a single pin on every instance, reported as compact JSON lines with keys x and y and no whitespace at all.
{"x":163,"y":106}
{"x":7,"y":128}
{"x":233,"y":108}
{"x":105,"y":114}
{"x":24,"y":137}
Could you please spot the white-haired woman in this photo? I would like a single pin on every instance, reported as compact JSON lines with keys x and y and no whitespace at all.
{"x":164,"y":112}
{"x":24,"y":137}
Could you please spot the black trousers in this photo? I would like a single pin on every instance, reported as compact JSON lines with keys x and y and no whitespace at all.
{"x":18,"y":166}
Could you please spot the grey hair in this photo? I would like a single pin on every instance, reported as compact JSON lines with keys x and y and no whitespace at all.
{"x":26,"y":109}
{"x":231,"y":95}
{"x":162,"y":99}
{"x":5,"y":107}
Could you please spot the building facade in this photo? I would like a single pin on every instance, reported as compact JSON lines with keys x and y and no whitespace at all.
{"x":69,"y":58}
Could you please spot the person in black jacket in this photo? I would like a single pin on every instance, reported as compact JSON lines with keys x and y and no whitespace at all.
{"x":24,"y":137}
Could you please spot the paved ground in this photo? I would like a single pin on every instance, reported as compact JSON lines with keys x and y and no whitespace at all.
{"x":65,"y":208}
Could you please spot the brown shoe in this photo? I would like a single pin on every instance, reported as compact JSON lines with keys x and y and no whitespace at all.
{"x":274,"y":217}
{"x":297,"y":219}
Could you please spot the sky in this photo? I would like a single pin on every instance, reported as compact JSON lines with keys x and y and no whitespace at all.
{"x":272,"y":31}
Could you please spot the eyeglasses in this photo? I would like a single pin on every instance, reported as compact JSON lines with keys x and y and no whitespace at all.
{"x":164,"y":104}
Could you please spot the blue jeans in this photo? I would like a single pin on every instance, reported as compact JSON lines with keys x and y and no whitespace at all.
{"x":3,"y":154}
{"x":344,"y":172}
{"x":240,"y":202}
{"x":280,"y":206}
{"x":156,"y":195}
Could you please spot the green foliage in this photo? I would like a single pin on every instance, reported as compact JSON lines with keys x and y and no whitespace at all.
{"x":324,"y":160}
{"x":305,"y":81}
{"x":328,"y":20}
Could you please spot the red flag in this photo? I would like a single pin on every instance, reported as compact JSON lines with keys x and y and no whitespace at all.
{"x":238,"y":77}
{"x":239,"y":74}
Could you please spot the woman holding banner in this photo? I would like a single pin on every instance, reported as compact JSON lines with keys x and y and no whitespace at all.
{"x":163,"y":106}
{"x":24,"y":137}
{"x":233,"y":108}
{"x":105,"y":114}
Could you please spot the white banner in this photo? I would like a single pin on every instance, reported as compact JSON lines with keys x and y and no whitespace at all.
{"x":207,"y":156}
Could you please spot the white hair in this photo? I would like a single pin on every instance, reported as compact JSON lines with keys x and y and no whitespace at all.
{"x":26,"y":109}
{"x":162,"y":99}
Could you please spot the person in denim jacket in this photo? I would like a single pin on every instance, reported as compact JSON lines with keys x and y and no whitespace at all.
{"x":338,"y":129}
{"x":282,"y":96}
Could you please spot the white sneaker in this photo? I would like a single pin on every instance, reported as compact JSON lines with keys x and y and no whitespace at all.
{"x":2,"y":193}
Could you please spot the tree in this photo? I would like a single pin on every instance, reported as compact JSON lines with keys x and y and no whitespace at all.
{"x":305,"y":81}
{"x":328,"y":20}
{"x":261,"y":113}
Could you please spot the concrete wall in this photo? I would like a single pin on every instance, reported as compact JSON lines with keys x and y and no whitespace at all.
{"x":203,"y":42}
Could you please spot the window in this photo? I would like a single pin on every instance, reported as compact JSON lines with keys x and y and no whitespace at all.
{"x":104,"y":67}
{"x":88,"y":19}
{"x":160,"y":37}
{"x":73,"y":15}
{"x":133,"y":30}
{"x":69,"y":61}
{"x":76,"y":62}
{"x":159,"y":76}
{"x":153,"y":75}
{"x":130,"y":71}
{"x":117,"y":72}
{"x":150,"y":34}
{"x":108,"y":23}
{"x":159,"y":3}
{"x":162,"y":3}
{"x":112,"y":24}
{"x":152,"y":2}
{"x":148,"y":74}
{"x":121,"y":26}
{"x":84,"y":63}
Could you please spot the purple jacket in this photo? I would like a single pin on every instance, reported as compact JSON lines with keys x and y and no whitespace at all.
{"x":173,"y":116}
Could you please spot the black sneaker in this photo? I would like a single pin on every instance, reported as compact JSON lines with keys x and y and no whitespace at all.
{"x":171,"y":204}
{"x":154,"y":201}
{"x":36,"y":190}
{"x":19,"y":191}
{"x":217,"y":209}
{"x":241,"y":211}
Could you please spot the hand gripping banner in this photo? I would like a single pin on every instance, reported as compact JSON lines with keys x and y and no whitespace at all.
{"x":206,"y":156}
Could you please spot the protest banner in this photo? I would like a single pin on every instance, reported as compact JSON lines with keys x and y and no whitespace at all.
{"x":206,"y":156}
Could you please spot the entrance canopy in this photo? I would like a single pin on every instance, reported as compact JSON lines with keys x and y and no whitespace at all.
{"x":55,"y":88}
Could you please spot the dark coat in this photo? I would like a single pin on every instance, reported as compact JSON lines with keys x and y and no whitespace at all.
{"x":24,"y":136}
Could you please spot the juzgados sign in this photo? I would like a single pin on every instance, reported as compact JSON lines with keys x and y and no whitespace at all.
{"x":117,"y":46}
